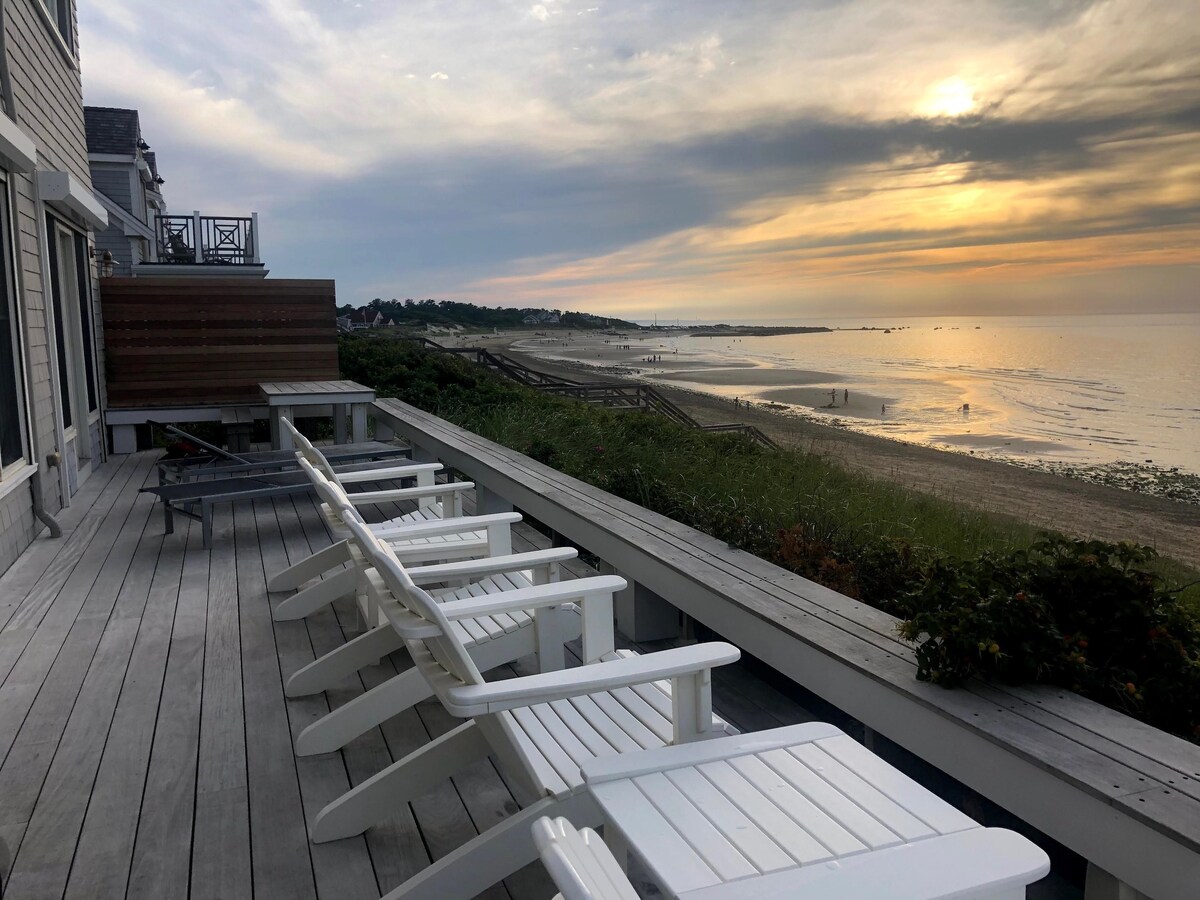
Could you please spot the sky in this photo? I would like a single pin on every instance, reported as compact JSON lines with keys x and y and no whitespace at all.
{"x":701,"y":160}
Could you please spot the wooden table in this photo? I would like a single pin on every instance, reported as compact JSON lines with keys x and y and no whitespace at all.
{"x":285,"y":397}
{"x":801,"y":811}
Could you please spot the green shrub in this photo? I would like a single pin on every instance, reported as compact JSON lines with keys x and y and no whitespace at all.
{"x":950,"y":571}
{"x":1085,"y":615}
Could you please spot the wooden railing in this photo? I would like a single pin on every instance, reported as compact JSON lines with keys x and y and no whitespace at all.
{"x":1118,"y":793}
{"x":614,"y":395}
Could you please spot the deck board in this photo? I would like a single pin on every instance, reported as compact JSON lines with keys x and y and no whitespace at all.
{"x":161,"y":862}
{"x":145,"y":742}
{"x":221,"y":844}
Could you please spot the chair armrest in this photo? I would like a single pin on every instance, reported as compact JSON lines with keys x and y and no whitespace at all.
{"x":412,"y":470}
{"x":473,"y":568}
{"x":535,"y":597}
{"x":479,"y":699}
{"x":364,"y":498}
{"x":438,"y":527}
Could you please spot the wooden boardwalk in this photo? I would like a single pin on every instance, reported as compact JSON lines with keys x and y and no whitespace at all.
{"x":145,"y":742}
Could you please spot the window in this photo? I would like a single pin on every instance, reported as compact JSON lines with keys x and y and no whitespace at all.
{"x":60,"y":15}
{"x":12,"y":393}
{"x":71,"y":303}
{"x":58,"y":12}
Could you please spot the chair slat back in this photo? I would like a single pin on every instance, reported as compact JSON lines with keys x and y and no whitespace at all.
{"x":579,"y":862}
{"x":330,"y":492}
{"x":446,"y":654}
{"x":305,"y":450}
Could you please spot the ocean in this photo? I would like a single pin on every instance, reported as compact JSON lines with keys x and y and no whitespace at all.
{"x":1061,"y":390}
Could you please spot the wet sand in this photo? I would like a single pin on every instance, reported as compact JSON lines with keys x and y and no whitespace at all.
{"x":1047,"y":500}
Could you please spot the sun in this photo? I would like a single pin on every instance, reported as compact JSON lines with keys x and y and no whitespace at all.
{"x":948,"y":98}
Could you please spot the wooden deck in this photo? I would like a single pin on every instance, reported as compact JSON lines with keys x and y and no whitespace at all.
{"x":145,"y":742}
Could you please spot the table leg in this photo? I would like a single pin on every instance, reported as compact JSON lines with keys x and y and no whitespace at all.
{"x":339,"y":423}
{"x":281,"y":438}
{"x":358,"y":412}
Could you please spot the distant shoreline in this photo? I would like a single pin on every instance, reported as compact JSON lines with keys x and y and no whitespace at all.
{"x":755,"y":330}
{"x":1044,"y":498}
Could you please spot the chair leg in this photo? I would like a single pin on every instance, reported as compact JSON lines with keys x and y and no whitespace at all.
{"x":338,"y":728}
{"x":316,"y":596}
{"x":495,"y":854}
{"x":365,"y":650}
{"x":404,"y":780}
{"x":310,"y":567}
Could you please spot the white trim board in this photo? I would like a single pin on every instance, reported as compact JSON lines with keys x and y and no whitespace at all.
{"x":17,"y":148}
{"x":67,"y":191}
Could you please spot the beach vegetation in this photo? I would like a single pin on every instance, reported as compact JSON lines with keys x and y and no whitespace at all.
{"x":950,"y":573}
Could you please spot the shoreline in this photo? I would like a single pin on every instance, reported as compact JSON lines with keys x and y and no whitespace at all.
{"x":1062,"y":500}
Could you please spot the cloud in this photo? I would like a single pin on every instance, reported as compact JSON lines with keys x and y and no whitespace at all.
{"x":671,"y":153}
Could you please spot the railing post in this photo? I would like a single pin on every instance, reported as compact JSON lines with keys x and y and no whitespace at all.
{"x":641,"y":614}
{"x":254,"y":255}
{"x":197,"y":238}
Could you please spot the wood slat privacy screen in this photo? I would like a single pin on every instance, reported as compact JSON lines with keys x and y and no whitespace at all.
{"x":209,"y":342}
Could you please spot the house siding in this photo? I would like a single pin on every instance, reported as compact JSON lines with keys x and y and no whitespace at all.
{"x":114,"y":240}
{"x":112,"y":180}
{"x":48,"y":100}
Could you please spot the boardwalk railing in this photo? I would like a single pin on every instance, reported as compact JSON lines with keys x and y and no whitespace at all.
{"x":614,"y":395}
{"x":1122,"y":795}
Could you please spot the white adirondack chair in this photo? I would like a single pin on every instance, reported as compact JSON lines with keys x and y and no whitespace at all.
{"x":579,"y":862}
{"x":436,"y":530}
{"x":492,"y":640}
{"x":541,"y":728}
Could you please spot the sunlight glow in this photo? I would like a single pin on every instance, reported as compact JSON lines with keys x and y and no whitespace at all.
{"x":951,"y":97}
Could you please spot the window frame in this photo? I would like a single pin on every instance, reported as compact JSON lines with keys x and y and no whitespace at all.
{"x":11,"y":472}
{"x":56,"y":15}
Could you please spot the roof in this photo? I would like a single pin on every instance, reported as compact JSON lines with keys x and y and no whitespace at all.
{"x":111,"y":130}
{"x":151,"y":161}
{"x":366,"y":315}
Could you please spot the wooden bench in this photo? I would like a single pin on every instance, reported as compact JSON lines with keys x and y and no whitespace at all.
{"x":1121,"y":794}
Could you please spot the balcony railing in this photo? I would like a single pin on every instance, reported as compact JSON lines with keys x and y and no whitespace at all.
{"x":207,"y":240}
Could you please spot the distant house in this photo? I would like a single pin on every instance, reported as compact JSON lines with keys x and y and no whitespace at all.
{"x":141,"y":238}
{"x":126,"y":181}
{"x":343,"y":323}
{"x":365,"y":318}
{"x":531,"y":319}
{"x":541,"y":317}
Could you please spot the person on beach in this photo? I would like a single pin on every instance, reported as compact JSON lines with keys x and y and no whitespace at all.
{"x":846,"y":396}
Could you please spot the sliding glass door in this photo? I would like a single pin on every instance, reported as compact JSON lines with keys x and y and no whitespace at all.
{"x":71,"y":299}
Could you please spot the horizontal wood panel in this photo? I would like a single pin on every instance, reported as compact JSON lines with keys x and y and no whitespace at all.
{"x":200,"y":337}
{"x":190,"y":342}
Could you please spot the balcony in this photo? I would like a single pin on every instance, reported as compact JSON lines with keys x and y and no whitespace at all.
{"x":205,"y":246}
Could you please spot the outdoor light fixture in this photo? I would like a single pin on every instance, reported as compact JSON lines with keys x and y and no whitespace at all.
{"x":104,"y":262}
{"x":142,"y":145}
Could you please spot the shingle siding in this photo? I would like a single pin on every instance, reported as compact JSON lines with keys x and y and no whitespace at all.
{"x":112,"y":180}
{"x":48,"y":102}
{"x":114,"y":240}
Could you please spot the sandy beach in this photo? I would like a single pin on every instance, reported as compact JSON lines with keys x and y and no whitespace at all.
{"x":1067,"y":504}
